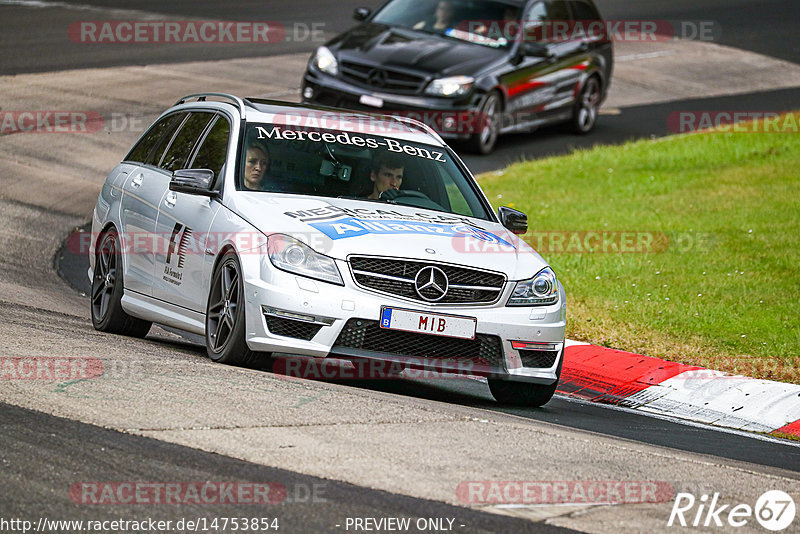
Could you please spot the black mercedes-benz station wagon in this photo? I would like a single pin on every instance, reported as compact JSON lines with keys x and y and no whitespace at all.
{"x":472,"y":69}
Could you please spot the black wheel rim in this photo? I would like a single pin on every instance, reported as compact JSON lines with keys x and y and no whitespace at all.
{"x":489,"y":118}
{"x":589,"y":104}
{"x":224,"y":299}
{"x":105,"y":277}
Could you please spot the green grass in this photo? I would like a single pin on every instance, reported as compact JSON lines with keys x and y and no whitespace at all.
{"x":724,"y":292}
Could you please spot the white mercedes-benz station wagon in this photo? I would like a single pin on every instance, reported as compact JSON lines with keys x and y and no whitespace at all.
{"x":270,"y":227}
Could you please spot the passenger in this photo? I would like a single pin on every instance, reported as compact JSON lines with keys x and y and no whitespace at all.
{"x":256,"y":164}
{"x":386,"y":175}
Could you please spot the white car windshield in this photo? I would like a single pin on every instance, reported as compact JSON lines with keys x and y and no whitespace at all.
{"x":346,"y":164}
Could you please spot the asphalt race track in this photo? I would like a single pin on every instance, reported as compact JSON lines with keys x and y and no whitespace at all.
{"x":162,"y":413}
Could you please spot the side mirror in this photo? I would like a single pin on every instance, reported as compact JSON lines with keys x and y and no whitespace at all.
{"x":514,"y":220}
{"x":361,"y":13}
{"x":534,"y":49}
{"x":193,"y":182}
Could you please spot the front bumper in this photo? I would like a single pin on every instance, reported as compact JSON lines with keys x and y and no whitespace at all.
{"x":450,"y":118}
{"x":319,"y":319}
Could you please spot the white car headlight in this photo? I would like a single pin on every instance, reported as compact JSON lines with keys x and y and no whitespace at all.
{"x":540,"y":290}
{"x":289,"y":254}
{"x":325,"y":61}
{"x":453,"y":86}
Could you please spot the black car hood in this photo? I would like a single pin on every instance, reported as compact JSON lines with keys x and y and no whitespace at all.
{"x":415,"y":50}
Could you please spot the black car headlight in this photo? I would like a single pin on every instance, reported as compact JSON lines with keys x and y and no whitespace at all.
{"x":325,"y":61}
{"x":452,"y":86}
{"x":289,"y":254}
{"x":540,"y":290}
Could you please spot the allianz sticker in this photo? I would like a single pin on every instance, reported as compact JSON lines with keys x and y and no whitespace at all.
{"x":345,"y":227}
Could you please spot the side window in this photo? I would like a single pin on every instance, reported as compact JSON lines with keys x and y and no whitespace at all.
{"x":558,"y":11}
{"x":158,"y":135}
{"x":535,"y":14}
{"x":212,"y":153}
{"x":583,"y":11}
{"x":177,"y":155}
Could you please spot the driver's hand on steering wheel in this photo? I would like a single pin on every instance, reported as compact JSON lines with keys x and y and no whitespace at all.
{"x":390,"y":194}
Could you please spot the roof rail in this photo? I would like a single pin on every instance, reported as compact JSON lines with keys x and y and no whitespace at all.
{"x":201,"y":97}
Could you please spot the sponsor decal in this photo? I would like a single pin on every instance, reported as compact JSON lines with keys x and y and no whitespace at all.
{"x":346,"y":138}
{"x":176,"y":253}
{"x":345,"y":227}
{"x":333,"y":212}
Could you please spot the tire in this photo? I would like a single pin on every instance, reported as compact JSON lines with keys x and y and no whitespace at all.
{"x":107,"y":289}
{"x":225,"y":316}
{"x":524,"y":393}
{"x":483,"y":142}
{"x":587,"y":107}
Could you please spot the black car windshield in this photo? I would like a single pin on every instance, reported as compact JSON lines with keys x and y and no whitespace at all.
{"x":486,"y":23}
{"x":334,"y":162}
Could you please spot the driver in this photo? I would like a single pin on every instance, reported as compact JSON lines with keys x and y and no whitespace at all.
{"x":443,"y":17}
{"x":386,"y":175}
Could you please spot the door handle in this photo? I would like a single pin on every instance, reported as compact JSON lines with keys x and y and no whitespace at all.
{"x":171,"y":199}
{"x":137,"y":182}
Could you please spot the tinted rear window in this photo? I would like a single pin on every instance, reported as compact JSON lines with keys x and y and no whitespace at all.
{"x":177,"y":155}
{"x":157,"y":136}
{"x":213,"y":151}
{"x":584,"y":11}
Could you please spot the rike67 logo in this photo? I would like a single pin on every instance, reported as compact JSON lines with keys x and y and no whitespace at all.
{"x":774,"y":510}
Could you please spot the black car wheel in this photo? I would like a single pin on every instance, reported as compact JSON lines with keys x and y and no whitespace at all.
{"x":483,"y":141}
{"x":107,"y":288}
{"x":225,"y":320}
{"x":587,"y":107}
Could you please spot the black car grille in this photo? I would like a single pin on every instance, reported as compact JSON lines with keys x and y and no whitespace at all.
{"x":396,"y":277}
{"x":291,"y":328}
{"x":381,"y":78}
{"x":485,"y":350}
{"x":543,"y":359}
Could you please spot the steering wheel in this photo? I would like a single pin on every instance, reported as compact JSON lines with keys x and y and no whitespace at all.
{"x":410,"y":197}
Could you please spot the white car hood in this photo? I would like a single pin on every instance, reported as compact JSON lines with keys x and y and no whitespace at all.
{"x":341,"y":227}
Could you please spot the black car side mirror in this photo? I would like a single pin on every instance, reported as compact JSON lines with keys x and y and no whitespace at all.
{"x":514,"y":220}
{"x":361,"y":13}
{"x":193,"y":182}
{"x":533,"y":49}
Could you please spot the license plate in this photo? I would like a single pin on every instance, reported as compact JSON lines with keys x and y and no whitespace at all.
{"x":369,"y":100}
{"x":437,"y":324}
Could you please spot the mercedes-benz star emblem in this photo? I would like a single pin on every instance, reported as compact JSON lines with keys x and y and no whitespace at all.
{"x":431,"y":283}
{"x":377,"y":78}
